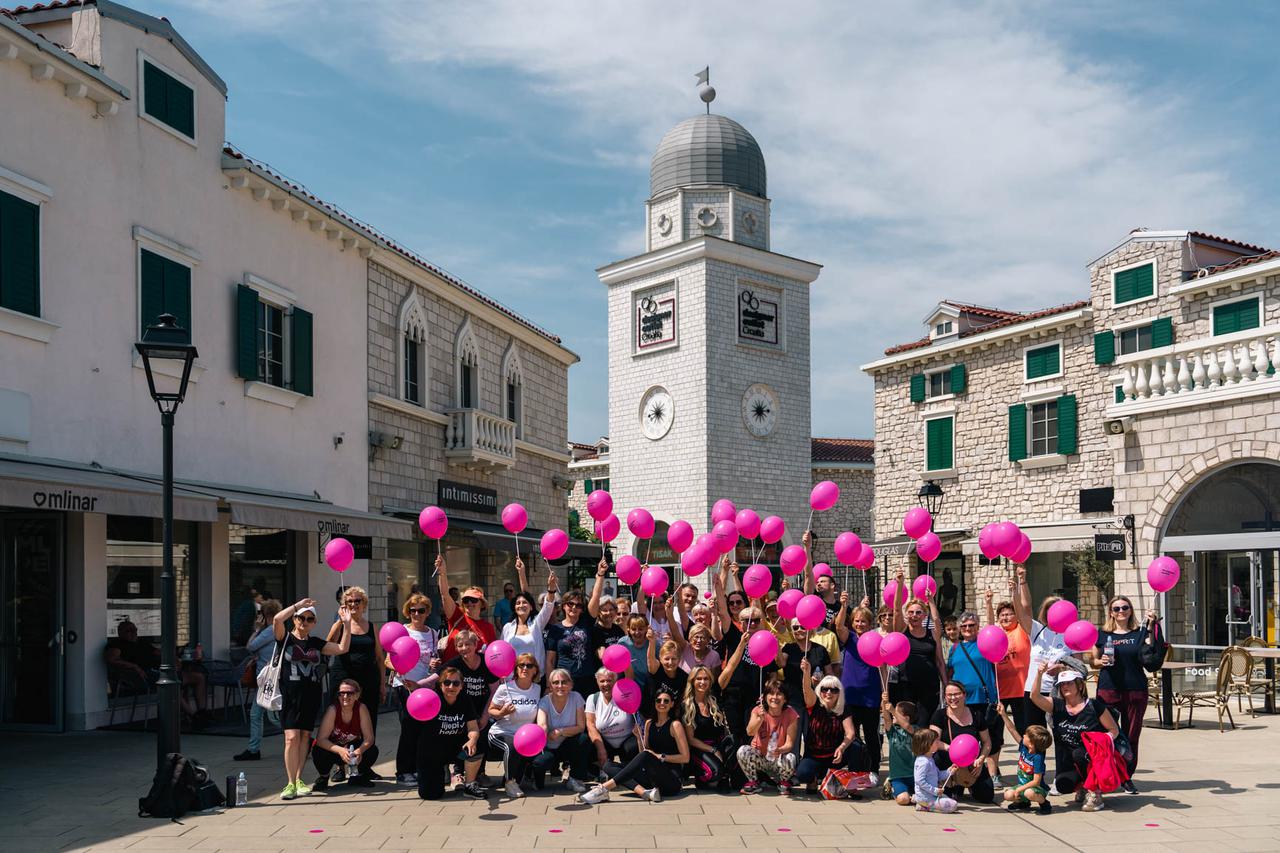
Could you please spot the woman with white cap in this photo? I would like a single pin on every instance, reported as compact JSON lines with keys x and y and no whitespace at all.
{"x":1074,"y":714}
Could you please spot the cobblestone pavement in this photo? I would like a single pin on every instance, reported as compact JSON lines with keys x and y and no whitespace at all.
{"x":1199,"y":790}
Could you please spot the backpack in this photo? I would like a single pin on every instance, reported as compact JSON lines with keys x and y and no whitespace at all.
{"x":180,"y":786}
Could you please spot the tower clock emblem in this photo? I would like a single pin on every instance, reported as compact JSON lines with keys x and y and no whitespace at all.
{"x":657,"y":412}
{"x":760,"y":410}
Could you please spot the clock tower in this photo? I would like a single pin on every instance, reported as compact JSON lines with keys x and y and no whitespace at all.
{"x":709,"y":342}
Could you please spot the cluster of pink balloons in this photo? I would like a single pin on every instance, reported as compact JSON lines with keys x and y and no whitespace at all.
{"x":852,"y":551}
{"x":600,"y":508}
{"x":403,"y":649}
{"x":338,"y":554}
{"x":1079,"y":634}
{"x":1004,"y":539}
{"x":918,"y":524}
{"x":892,"y":649}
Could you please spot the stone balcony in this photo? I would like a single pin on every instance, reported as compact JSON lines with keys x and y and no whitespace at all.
{"x":1200,"y":372}
{"x":480,"y":440}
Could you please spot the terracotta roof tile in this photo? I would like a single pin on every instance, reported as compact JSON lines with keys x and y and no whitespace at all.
{"x":1239,"y":262}
{"x":981,"y":310}
{"x":44,"y":7}
{"x":843,"y":449}
{"x":1205,"y":236}
{"x":1012,"y":320}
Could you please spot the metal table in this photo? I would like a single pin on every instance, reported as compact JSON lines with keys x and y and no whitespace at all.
{"x":1166,"y":688}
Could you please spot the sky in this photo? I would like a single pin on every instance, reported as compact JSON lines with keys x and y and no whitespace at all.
{"x":984,"y":152}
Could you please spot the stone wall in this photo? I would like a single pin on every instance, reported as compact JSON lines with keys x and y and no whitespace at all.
{"x":853,"y":512}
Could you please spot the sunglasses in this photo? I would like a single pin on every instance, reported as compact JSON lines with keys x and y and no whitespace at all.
{"x":305,"y":618}
{"x":1121,"y":608}
{"x":662,"y":700}
{"x":915,"y":612}
{"x":740,"y":602}
{"x":526,"y":666}
{"x":955,"y":698}
{"x":345,"y":694}
{"x":828,"y":689}
{"x":569,"y":604}
{"x":354,"y":601}
{"x":449,"y":682}
{"x":417,"y":610}
{"x":468,"y":600}
{"x":968,"y":626}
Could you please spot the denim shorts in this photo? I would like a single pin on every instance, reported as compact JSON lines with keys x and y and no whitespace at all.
{"x":902,"y":786}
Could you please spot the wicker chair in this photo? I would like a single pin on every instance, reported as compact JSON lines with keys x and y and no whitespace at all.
{"x":1216,"y":698}
{"x":1248,"y":678}
{"x":1155,"y":688}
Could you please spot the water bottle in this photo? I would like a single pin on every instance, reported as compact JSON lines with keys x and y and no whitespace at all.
{"x":352,"y":765}
{"x":1109,"y":651}
{"x":242,"y":790}
{"x":771,"y":751}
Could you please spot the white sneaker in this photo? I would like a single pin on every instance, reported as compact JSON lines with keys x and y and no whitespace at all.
{"x":653,"y":795}
{"x":575,"y":786}
{"x":1053,"y":789}
{"x":598,"y":794}
{"x":513,"y":790}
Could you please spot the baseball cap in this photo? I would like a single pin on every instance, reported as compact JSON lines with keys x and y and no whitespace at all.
{"x":304,"y":610}
{"x":472,"y":592}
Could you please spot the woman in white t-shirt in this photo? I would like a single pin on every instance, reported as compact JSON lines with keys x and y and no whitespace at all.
{"x":1047,"y":645}
{"x":562,"y":713}
{"x":611,"y":730}
{"x":514,"y":704}
{"x":524,"y":632}
{"x":424,"y":674}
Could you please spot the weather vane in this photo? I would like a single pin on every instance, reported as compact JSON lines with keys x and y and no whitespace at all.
{"x":705,"y":90}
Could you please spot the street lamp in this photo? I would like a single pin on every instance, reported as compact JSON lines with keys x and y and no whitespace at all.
{"x":930,"y":495}
{"x":164,"y":346}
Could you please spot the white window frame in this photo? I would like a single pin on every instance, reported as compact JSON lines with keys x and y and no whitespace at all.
{"x":1031,"y":405}
{"x":937,"y":473}
{"x":929,"y":398}
{"x":1155,"y":282}
{"x":513,"y":372}
{"x":1127,"y":325}
{"x":412,"y":323}
{"x":144,"y":57}
{"x":35,"y":328}
{"x":466,"y":351}
{"x":1259,"y":294}
{"x":1026,"y":380}
{"x":283,"y":298}
{"x":939,"y":332}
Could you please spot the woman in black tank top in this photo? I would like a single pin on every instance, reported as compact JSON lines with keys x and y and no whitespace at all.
{"x":656,"y":771}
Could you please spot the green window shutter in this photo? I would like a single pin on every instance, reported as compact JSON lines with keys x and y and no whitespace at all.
{"x":300,"y":350}
{"x":1133,"y":284}
{"x":1235,"y":317}
{"x":181,"y":103}
{"x":939,"y":449}
{"x":958,"y":378}
{"x":151,"y":303}
{"x":1067,"y":424}
{"x":1161,"y":332}
{"x":917,"y":388}
{"x":1017,"y":432}
{"x":19,"y":255}
{"x":1120,"y":398}
{"x":155,"y":85}
{"x":166,"y":289}
{"x":588,"y":487}
{"x":1044,"y":361}
{"x":247,"y":333}
{"x":1104,"y":347}
{"x":604,"y":484}
{"x":177,"y":294}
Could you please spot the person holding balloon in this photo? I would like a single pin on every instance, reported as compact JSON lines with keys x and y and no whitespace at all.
{"x":657,"y":770}
{"x":514,"y":704}
{"x":697,"y":650}
{"x":637,"y":642}
{"x":524,"y":632}
{"x":569,"y":642}
{"x":965,"y":743}
{"x":665,"y":672}
{"x":465,"y":613}
{"x":610,"y":726}
{"x":1013,"y":668}
{"x":862,"y":675}
{"x":707,"y":728}
{"x":562,"y":714}
{"x":1074,"y":715}
{"x":741,"y":678}
{"x":1048,"y":643}
{"x":1122,"y":679}
{"x":970,"y":665}
{"x":920,"y":675}
{"x":450,"y":734}
{"x":364,"y":662}
{"x":829,"y":739}
{"x":771,"y":734}
{"x":422,"y":674}
{"x":605,"y":631}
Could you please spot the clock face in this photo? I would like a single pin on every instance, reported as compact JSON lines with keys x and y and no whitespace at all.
{"x":760,"y":410}
{"x":657,"y":412}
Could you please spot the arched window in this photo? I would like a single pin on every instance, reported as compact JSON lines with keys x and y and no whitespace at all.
{"x":413,"y":351}
{"x":513,"y":388}
{"x":466,"y":357}
{"x":1242,"y":498}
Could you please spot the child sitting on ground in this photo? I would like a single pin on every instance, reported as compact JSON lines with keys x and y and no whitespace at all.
{"x":1030,"y":788}
{"x":898,"y":731}
{"x":928,"y":796}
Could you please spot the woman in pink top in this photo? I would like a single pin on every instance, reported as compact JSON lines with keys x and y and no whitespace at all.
{"x":697,"y":650}
{"x":771,"y":752}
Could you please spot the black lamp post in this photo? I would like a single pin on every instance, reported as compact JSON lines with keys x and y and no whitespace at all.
{"x":930,"y":495}
{"x":169,"y":342}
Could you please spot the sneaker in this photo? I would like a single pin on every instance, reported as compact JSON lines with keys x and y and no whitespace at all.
{"x":785,"y":787}
{"x":513,"y":790}
{"x":752,"y":787}
{"x":474,"y":791}
{"x":1019,"y":806}
{"x":1045,"y":808}
{"x":320,"y":784}
{"x":247,"y":755}
{"x":302,"y":788}
{"x":598,"y":794}
{"x":290,"y":792}
{"x":1053,"y":789}
{"x":653,"y":795}
{"x":1080,"y":795}
{"x":1127,"y":785}
{"x":1093,"y":802}
{"x":575,"y":786}
{"x":997,"y":782}
{"x":406,"y":780}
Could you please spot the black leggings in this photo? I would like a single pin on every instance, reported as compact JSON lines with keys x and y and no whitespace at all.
{"x":647,"y":771}
{"x":866,"y":726}
{"x":326,"y":760}
{"x":410,"y":731}
{"x":982,"y":790}
{"x":1072,"y":776}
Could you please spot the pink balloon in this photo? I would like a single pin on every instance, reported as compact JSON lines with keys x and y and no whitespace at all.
{"x":917,"y":522}
{"x":555,"y":543}
{"x":629,"y":569}
{"x":1021,"y":551}
{"x":811,"y":611}
{"x":847,"y":547}
{"x":599,"y":504}
{"x":707,"y":594}
{"x":680,"y":536}
{"x":756,"y":580}
{"x":627,"y":695}
{"x":895,"y":648}
{"x":824,"y":496}
{"x":608,"y":529}
{"x":787,"y":602}
{"x":748,"y":523}
{"x":793,"y":560}
{"x":1163,"y":573}
{"x":694,"y":561}
{"x":964,"y":750}
{"x":986,"y":542}
{"x":1004,"y":536}
{"x":338,"y":554}
{"x":530,"y":739}
{"x":772,"y":529}
{"x":893,"y":596}
{"x":726,"y":536}
{"x":1061,"y":614}
{"x":423,"y":704}
{"x":405,"y":654}
{"x":500,"y":657}
{"x":654,"y":581}
{"x":928,"y":546}
{"x":924,"y":587}
{"x":640,"y":523}
{"x":821,"y":570}
{"x":390,"y":632}
{"x":616,"y":658}
{"x":433,"y":522}
{"x":1081,"y":635}
{"x":763,"y":647}
{"x":993,"y":643}
{"x":707,"y":543}
{"x":724,"y":510}
{"x":514,"y":518}
{"x":866,"y":558}
{"x":869,"y":648}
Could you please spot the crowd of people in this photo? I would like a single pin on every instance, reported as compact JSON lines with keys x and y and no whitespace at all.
{"x":816,"y":719}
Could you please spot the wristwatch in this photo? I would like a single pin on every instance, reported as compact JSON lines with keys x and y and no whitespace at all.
{"x":663,"y":758}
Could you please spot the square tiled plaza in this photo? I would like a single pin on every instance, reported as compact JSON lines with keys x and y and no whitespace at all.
{"x":1200,"y":790}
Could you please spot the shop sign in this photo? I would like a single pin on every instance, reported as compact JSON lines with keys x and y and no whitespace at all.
{"x":655,"y":321}
{"x":1108,"y":546}
{"x":757,"y":316}
{"x":362,"y":545}
{"x":451,"y":495}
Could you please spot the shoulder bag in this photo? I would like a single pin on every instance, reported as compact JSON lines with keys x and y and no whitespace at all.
{"x":269,"y":697}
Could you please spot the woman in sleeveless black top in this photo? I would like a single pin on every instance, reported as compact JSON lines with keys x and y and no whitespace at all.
{"x":364,"y":663}
{"x":656,"y":771}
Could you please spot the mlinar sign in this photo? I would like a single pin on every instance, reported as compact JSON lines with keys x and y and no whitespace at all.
{"x":451,"y":495}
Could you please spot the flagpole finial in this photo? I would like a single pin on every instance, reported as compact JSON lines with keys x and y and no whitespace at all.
{"x":705,"y":90}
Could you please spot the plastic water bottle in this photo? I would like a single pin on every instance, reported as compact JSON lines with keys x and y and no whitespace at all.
{"x":771,"y":752}
{"x":242,"y":790}
{"x":1109,"y":651}
{"x":352,"y":766}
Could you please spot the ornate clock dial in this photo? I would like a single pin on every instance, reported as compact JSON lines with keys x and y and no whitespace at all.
{"x":760,"y":410}
{"x":657,"y":412}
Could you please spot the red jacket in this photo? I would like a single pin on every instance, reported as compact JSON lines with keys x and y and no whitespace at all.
{"x":1107,"y":769}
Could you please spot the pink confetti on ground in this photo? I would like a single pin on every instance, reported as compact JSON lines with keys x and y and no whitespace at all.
{"x":783,"y":829}
{"x":948,"y":829}
{"x":1151,"y":824}
{"x":315,"y":830}
{"x":555,"y":830}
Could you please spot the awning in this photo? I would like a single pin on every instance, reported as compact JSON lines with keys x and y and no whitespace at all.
{"x":298,"y":512}
{"x":896,"y":546}
{"x":1062,"y":536}
{"x":496,"y":538}
{"x":50,"y":484}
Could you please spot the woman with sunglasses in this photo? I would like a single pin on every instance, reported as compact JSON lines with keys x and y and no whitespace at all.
{"x":417,"y":608}
{"x":463,"y":613}
{"x":345,"y":737}
{"x":525,"y":631}
{"x":863,"y":684}
{"x":741,"y":679}
{"x":562,"y":713}
{"x":920,"y":676}
{"x":656,"y":771}
{"x":605,"y":631}
{"x":365,"y":662}
{"x":705,"y":725}
{"x":301,"y":659}
{"x":1122,"y":681}
{"x":514,"y":704}
{"x":1073,"y":714}
{"x":569,"y":643}
{"x":451,"y":737}
{"x":951,"y":721}
{"x":829,"y":739}
{"x":664,"y":673}
{"x":611,"y":730}
{"x":967,"y":666}
{"x":1047,"y":645}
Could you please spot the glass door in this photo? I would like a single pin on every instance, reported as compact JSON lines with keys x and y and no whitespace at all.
{"x":1243,"y":616}
{"x":31,"y":630}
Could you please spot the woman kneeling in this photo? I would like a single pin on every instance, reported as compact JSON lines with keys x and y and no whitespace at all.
{"x":656,"y":771}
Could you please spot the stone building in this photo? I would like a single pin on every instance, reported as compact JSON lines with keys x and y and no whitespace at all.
{"x":1149,"y":410}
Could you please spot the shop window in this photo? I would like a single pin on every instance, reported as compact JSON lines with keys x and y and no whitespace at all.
{"x":259,"y":561}
{"x":134,"y":564}
{"x":405,"y":577}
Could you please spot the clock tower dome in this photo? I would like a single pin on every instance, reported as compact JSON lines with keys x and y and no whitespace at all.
{"x":709,"y":342}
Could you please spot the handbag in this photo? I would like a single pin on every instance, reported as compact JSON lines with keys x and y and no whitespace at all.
{"x":269,"y":697}
{"x":838,"y":784}
{"x":1152,"y":654}
{"x":250,"y":675}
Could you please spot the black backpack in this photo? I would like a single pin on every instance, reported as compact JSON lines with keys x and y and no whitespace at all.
{"x":181,"y":786}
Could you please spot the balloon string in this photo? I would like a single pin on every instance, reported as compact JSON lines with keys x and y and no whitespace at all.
{"x":648,"y":545}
